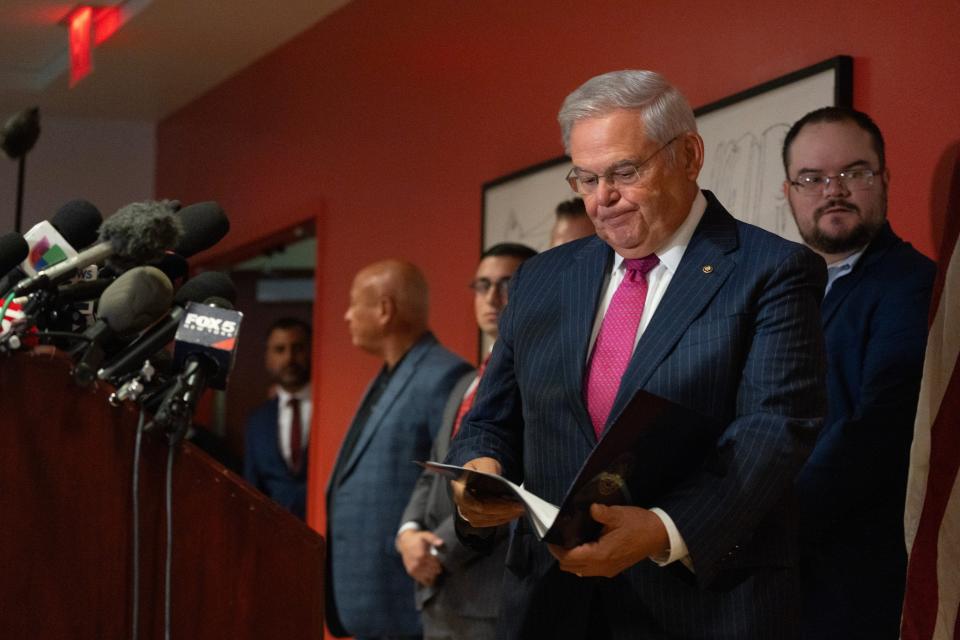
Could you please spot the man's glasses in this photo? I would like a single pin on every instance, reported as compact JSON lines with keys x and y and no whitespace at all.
{"x":621,"y":175}
{"x":813,"y":184}
{"x":482,"y":286}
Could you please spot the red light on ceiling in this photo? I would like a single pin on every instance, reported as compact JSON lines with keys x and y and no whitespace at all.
{"x":106,"y":22}
{"x":81,"y":61}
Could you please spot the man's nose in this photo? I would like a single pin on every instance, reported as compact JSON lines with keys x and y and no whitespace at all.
{"x":607,"y":192}
{"x":835,"y":186}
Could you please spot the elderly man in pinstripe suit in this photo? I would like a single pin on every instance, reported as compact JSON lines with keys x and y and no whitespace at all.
{"x":676,"y":297}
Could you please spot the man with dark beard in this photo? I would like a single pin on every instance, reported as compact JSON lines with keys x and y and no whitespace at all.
{"x":275,"y":459}
{"x":852,"y":488}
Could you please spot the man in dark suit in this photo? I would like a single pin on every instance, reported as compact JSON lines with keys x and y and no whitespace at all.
{"x":676,"y":297}
{"x":277,"y":432}
{"x":458,"y":589}
{"x":852,"y":488}
{"x":369,"y":595}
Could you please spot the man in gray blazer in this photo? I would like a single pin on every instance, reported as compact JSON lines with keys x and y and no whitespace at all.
{"x":368,"y":592}
{"x":458,"y":589}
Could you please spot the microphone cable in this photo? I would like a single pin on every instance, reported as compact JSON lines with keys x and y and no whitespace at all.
{"x":135,"y":613}
{"x":171,"y":450}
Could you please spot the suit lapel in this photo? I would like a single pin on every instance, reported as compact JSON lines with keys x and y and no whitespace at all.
{"x":580,"y":289}
{"x":441,"y":443}
{"x":703,"y":269}
{"x":398,"y":382}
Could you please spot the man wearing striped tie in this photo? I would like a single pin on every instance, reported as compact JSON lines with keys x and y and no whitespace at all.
{"x":458,"y":589}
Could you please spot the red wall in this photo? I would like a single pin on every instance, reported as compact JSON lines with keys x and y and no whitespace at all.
{"x":385,"y":119}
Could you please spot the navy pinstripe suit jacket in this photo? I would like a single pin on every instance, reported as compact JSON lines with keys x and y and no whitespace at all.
{"x":736,"y":336}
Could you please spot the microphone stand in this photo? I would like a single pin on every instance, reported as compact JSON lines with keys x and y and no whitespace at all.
{"x":18,"y":215}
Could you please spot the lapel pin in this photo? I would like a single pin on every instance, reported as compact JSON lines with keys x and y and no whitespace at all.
{"x":707,"y":268}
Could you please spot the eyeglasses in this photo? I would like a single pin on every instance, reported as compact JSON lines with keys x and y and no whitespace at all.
{"x":482,"y":286}
{"x":622,"y":175}
{"x":812,"y":184}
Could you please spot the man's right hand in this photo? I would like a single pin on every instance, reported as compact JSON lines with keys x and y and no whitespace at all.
{"x":416,"y":549}
{"x":486,"y":513}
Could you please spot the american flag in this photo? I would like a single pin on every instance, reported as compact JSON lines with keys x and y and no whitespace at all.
{"x":932,"y":514}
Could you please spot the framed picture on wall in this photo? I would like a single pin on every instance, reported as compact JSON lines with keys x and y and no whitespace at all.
{"x":743,"y":137}
{"x":519,"y":207}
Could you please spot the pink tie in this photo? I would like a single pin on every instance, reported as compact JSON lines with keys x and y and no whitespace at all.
{"x":615,"y":341}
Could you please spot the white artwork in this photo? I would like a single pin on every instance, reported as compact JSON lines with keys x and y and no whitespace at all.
{"x":521,"y":207}
{"x":743,"y":140}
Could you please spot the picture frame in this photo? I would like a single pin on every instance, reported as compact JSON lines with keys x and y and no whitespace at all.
{"x":520,"y":207}
{"x":743,"y":139}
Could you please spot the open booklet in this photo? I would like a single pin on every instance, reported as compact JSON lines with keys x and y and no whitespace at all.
{"x":653,"y":445}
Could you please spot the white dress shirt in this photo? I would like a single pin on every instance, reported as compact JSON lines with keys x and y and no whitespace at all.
{"x":658,"y":279}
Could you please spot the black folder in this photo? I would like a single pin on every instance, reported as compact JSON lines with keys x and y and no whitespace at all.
{"x":652,"y":447}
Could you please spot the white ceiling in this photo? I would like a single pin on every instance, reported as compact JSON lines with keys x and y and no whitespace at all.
{"x":167,"y":53}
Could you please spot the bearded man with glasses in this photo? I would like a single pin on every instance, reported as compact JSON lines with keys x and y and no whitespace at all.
{"x":853,"y":487}
{"x":676,"y":297}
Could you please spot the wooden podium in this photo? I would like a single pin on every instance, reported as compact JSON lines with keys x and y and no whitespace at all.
{"x":242,"y":566}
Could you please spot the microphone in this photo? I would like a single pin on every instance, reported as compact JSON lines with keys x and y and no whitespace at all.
{"x":78,"y":221}
{"x":20,"y":133}
{"x":202,"y":288}
{"x":74,"y":226}
{"x":136,"y":234}
{"x":208,"y":335}
{"x":13,"y":249}
{"x":204,"y":225}
{"x":205,"y":349}
{"x":128,"y":306}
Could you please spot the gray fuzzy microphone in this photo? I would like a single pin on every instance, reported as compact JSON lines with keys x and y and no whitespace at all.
{"x":136,"y":234}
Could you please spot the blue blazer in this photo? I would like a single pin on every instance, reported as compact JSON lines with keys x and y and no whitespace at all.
{"x":264,"y":466}
{"x":368,"y":591}
{"x":736,"y":336}
{"x":853,"y":487}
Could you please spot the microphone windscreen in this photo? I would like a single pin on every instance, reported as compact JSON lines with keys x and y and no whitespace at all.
{"x":204,"y":225}
{"x":206,"y":285}
{"x":13,"y":250}
{"x":20,"y":133}
{"x":78,"y":222}
{"x":140,"y":233}
{"x":135,"y":300}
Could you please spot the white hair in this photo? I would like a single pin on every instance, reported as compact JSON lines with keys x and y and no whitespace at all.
{"x":664,"y":111}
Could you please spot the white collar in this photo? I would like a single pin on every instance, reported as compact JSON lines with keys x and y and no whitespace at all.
{"x":672,"y":250}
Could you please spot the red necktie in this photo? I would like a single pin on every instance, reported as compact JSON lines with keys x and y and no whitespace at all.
{"x":467,"y":401}
{"x":615,"y":341}
{"x":296,"y":435}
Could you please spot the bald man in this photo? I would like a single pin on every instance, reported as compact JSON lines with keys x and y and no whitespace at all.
{"x":369,"y":594}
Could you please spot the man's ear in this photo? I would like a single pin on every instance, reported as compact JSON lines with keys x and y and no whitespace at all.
{"x":692,"y":154}
{"x":386,"y":310}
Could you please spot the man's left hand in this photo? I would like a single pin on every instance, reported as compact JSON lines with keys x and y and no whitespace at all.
{"x":630,"y":534}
